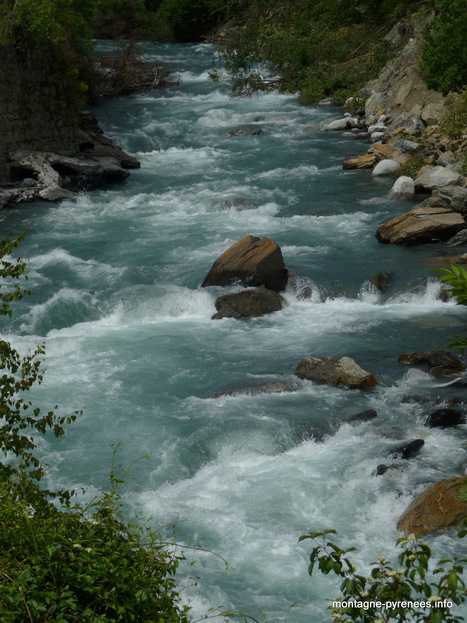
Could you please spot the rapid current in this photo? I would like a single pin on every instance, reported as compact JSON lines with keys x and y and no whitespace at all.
{"x":129,"y":338}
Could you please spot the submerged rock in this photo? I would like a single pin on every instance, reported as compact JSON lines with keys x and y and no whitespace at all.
{"x":408,"y":450}
{"x":246,"y":131}
{"x":381,"y":281}
{"x":439,"y":507}
{"x":364,"y":416}
{"x":252,"y":302}
{"x":342,"y":372}
{"x":251,"y":262}
{"x":442,"y":418}
{"x":441,"y":363}
{"x":263,"y":388}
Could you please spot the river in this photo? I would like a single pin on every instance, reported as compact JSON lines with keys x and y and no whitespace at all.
{"x":116,"y":296}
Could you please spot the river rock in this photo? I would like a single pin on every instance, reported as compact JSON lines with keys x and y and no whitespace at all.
{"x":386,"y":167}
{"x":364,"y":416}
{"x":436,"y":508}
{"x":246,"y":131}
{"x":251,"y":302}
{"x":342,"y":124}
{"x":441,"y":363}
{"x":381,"y":281}
{"x":263,"y":388}
{"x":405,"y":146}
{"x":445,"y":418}
{"x":420,"y":225}
{"x":408,"y":450}
{"x":437,"y":177}
{"x":458,"y":240}
{"x":251,"y":261}
{"x":455,"y":197}
{"x":403,"y":189}
{"x":342,"y":372}
{"x":366,"y":161}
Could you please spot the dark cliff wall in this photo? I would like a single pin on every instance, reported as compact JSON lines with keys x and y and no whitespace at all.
{"x":39,"y":105}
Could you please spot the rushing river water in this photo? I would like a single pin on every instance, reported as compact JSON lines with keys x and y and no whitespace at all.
{"x":116,"y":280}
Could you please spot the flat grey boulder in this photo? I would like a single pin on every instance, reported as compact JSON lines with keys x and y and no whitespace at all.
{"x":421,"y":225}
{"x":251,"y":302}
{"x":437,"y":177}
{"x":342,"y":372}
{"x":251,"y":262}
{"x":403,"y":188}
{"x":386,"y":167}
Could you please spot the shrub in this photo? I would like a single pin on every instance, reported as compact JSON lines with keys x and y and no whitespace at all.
{"x":404,"y":593}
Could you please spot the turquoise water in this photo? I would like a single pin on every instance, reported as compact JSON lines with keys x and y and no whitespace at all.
{"x":116,"y":296}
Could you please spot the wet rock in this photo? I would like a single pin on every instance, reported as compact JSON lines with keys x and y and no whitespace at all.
{"x":251,"y":261}
{"x":408,"y":450}
{"x":382,"y":468}
{"x":251,"y":302}
{"x":462,"y":259}
{"x":403,"y":189}
{"x":381,"y":281}
{"x":413,"y":400}
{"x":386,"y":167}
{"x":439,"y":507}
{"x":246,"y":131}
{"x":458,"y":240}
{"x":342,"y":372}
{"x":441,"y":363}
{"x":445,"y":418}
{"x":364,"y":416}
{"x":342,"y":124}
{"x":263,"y":388}
{"x":422,"y":224}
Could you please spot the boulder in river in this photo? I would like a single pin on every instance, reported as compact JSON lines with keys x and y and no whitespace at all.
{"x":422,"y":224}
{"x":408,"y":450}
{"x":441,"y":363}
{"x":246,"y":131}
{"x":381,"y":281}
{"x":386,"y":167}
{"x":263,"y":388}
{"x":250,"y":262}
{"x":436,"y":508}
{"x":342,"y":372}
{"x":403,"y":188}
{"x":364,"y":416}
{"x":445,"y":418}
{"x":367,"y":161}
{"x":251,"y":302}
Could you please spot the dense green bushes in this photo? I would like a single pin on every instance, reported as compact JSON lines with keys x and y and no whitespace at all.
{"x":445,"y":56}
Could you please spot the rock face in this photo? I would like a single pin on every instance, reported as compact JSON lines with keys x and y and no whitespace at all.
{"x":436,"y":508}
{"x":441,"y":363}
{"x":251,"y":262}
{"x":253,"y":302}
{"x":342,"y":372}
{"x":420,"y":225}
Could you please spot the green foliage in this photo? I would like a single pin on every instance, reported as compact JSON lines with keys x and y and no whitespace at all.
{"x":316,"y":48}
{"x":444,"y":58}
{"x":410,"y":168}
{"x":81,"y":564}
{"x":370,"y":597}
{"x":46,"y":22}
{"x":454,"y":124}
{"x":456,"y":278}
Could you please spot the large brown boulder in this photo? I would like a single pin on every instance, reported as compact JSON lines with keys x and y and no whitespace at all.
{"x":252,"y":302}
{"x":436,"y":508}
{"x":342,"y":372}
{"x":421,"y":224}
{"x":251,"y":262}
